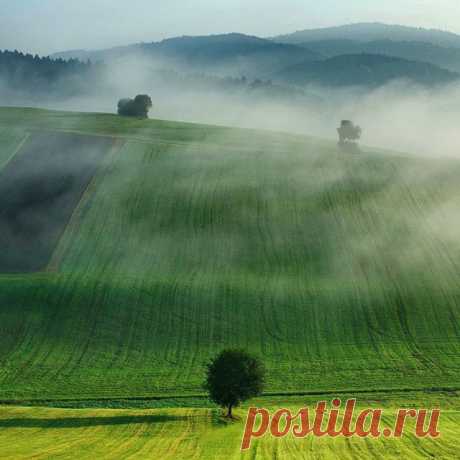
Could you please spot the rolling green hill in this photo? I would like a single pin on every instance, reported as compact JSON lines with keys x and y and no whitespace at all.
{"x":339,"y":270}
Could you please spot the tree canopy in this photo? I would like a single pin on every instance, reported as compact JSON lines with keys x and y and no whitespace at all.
{"x":232,"y":377}
{"x":137,"y":107}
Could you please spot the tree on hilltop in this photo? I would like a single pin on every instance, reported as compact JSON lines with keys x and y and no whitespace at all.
{"x":137,"y":107}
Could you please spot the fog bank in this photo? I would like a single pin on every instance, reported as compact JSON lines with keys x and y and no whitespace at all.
{"x":398,"y":116}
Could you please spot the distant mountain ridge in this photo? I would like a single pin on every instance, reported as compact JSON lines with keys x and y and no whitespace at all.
{"x":227,"y":54}
{"x":366,"y":32}
{"x":366,"y":53}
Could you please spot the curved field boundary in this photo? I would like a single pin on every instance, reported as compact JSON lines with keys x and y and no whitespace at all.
{"x":75,"y":219}
{"x":4,"y":161}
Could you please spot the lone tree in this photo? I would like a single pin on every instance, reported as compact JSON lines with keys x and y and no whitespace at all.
{"x":348,"y":131}
{"x":232,"y":377}
{"x":137,"y":107}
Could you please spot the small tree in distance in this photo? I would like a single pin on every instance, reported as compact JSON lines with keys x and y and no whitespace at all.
{"x":349,"y":131}
{"x":137,"y":107}
{"x":232,"y":377}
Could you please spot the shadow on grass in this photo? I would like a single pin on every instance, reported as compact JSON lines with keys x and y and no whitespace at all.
{"x":219,"y":419}
{"x":78,"y":422}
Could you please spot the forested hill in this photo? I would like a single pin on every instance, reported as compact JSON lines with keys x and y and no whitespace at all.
{"x":233,"y":54}
{"x":366,"y":70}
{"x":441,"y":56}
{"x":31,"y":74}
{"x":366,"y":32}
{"x":24,"y":78}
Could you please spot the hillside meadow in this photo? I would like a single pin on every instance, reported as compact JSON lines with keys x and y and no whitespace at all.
{"x":339,"y":270}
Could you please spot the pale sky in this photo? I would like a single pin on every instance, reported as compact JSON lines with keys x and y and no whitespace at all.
{"x":47,"y":26}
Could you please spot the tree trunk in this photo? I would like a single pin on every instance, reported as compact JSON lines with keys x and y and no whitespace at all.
{"x":229,"y":413}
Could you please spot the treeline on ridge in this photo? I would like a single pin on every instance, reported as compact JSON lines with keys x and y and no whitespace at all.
{"x":32,"y":73}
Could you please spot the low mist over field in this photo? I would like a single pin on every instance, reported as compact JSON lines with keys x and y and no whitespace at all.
{"x":400,"y":114}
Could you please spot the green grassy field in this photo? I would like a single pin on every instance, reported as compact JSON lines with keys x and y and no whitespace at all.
{"x":339,"y":270}
{"x":11,"y":140}
{"x":197,"y":433}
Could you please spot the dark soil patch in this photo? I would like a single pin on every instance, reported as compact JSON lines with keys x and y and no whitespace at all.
{"x":39,"y":189}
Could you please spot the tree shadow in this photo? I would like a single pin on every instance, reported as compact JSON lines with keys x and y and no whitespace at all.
{"x":79,"y":422}
{"x":219,"y":419}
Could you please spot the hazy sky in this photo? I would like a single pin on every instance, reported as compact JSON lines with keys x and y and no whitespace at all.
{"x":46,"y":26}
